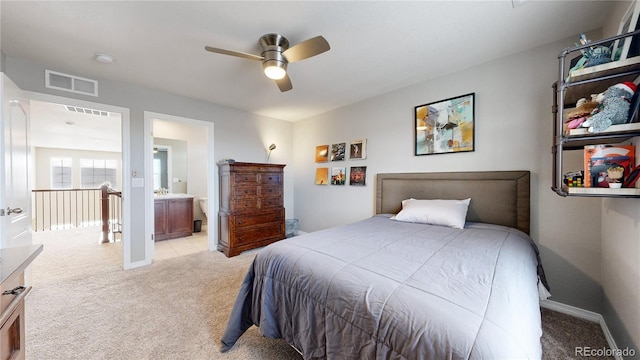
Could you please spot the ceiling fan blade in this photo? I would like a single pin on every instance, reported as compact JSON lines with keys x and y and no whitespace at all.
{"x":234,"y":53}
{"x":306,"y":49}
{"x":284,"y":84}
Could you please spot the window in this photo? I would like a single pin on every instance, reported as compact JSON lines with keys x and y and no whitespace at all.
{"x":61,"y":173}
{"x":94,"y":173}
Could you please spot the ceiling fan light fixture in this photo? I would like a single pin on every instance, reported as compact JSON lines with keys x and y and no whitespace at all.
{"x":276,"y":54}
{"x":274,"y":69}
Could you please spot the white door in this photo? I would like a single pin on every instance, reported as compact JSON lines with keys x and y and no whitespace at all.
{"x":15,"y":192}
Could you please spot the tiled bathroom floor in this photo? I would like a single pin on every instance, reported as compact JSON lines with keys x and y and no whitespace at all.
{"x":166,"y":249}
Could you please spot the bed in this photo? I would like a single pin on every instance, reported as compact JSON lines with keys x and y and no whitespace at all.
{"x":384,"y":288}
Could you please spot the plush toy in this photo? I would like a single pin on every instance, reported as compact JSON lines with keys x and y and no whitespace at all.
{"x":575,"y":117}
{"x":613,"y":109}
{"x":591,"y":56}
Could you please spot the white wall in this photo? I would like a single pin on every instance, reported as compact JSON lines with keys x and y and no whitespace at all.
{"x":621,"y":269}
{"x":621,"y":251}
{"x":513,"y":132}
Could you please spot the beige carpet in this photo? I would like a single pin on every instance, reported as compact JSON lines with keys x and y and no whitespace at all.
{"x":83,"y":306}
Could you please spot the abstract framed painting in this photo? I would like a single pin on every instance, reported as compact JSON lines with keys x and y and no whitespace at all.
{"x":445,"y":126}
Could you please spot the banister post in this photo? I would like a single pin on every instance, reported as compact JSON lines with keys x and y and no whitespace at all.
{"x":104,"y":200}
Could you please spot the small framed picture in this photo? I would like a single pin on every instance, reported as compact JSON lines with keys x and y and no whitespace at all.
{"x":337,"y":151}
{"x":630,"y":46}
{"x":322,"y":153}
{"x":338,"y":175}
{"x":358,"y":175}
{"x":322,"y":175}
{"x":358,"y":149}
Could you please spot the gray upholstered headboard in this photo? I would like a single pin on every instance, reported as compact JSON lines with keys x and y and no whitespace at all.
{"x":497,"y":197}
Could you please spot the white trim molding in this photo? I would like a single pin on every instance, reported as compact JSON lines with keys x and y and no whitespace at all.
{"x":585,"y":315}
{"x":211,"y":170}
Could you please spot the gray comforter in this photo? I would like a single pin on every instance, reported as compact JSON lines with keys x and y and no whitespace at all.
{"x":382,"y":289}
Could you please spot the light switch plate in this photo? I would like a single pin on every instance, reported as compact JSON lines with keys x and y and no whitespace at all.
{"x":137,"y":182}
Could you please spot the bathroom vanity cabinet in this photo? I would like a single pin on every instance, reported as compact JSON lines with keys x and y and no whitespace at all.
{"x":251,"y":210}
{"x":173,"y":216}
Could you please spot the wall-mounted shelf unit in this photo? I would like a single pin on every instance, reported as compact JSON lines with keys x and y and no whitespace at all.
{"x":570,"y":87}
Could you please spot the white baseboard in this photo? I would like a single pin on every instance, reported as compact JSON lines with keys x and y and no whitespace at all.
{"x":585,"y":315}
{"x":137,"y":264}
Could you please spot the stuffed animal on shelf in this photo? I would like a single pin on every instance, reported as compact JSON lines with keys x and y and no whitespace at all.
{"x":591,"y":56}
{"x":614,"y":107}
{"x":583,"y":111}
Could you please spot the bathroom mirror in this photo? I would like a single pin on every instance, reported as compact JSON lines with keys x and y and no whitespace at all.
{"x":161,"y":170}
{"x":170,"y":165}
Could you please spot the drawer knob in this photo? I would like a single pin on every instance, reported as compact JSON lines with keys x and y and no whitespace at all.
{"x":15,"y":291}
{"x":240,"y":238}
{"x":239,"y":221}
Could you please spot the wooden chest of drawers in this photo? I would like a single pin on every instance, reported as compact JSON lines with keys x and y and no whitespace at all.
{"x":251,"y":210}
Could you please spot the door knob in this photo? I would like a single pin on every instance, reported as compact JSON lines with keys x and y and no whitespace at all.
{"x":14,"y":211}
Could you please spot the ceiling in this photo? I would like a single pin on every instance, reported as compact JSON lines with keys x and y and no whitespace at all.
{"x":376,"y":47}
{"x":54,"y":126}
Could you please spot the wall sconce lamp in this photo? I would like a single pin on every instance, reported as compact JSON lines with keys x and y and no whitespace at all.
{"x":271,"y":148}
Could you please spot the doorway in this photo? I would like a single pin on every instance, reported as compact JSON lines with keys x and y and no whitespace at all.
{"x":189,"y":170}
{"x":97,"y":143}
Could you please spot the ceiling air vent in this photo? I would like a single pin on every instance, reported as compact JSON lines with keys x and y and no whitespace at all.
{"x":66,"y":82}
{"x":82,"y":110}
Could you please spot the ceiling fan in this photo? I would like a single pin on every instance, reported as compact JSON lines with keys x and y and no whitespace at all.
{"x":276,"y":54}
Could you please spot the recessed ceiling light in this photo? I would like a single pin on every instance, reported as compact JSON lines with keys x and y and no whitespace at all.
{"x":104,"y":58}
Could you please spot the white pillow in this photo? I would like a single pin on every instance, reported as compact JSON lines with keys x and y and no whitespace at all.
{"x":450,"y":213}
